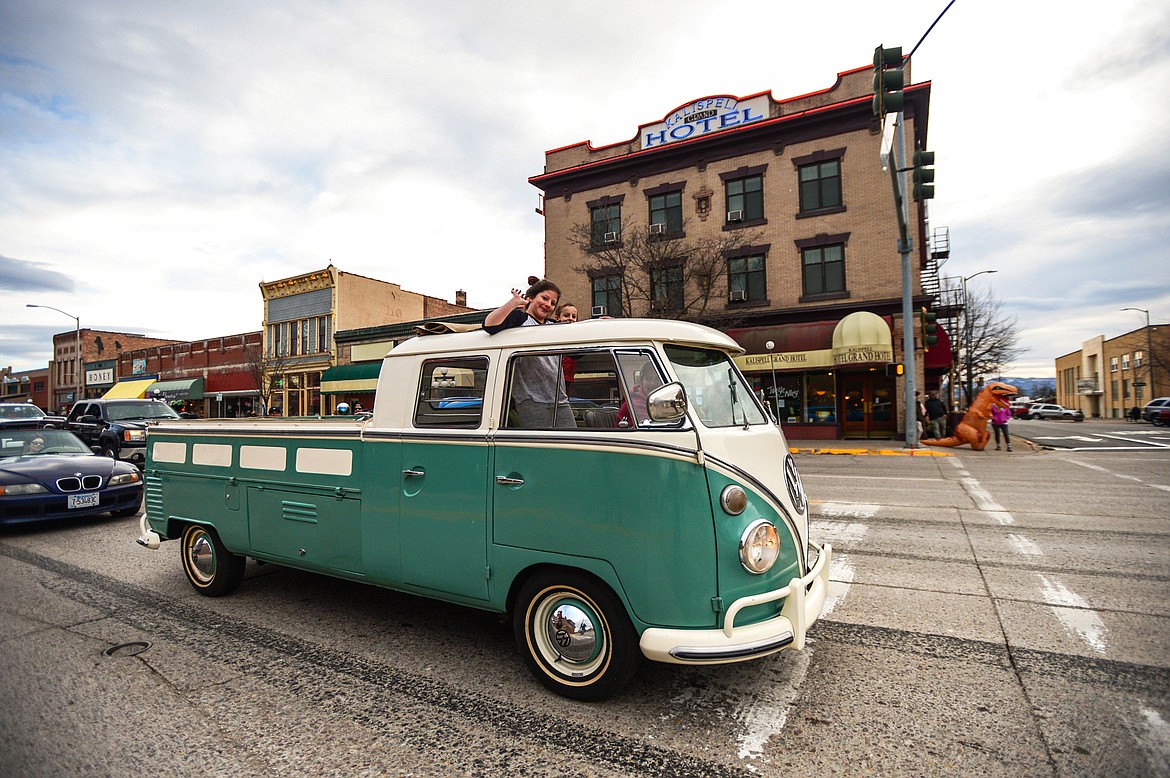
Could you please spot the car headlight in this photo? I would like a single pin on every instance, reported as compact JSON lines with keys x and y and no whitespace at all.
{"x":136,"y":436}
{"x":12,"y":489}
{"x":125,"y":478}
{"x":759,"y":546}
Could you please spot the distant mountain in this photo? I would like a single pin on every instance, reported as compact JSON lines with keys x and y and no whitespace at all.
{"x":1032,"y":387}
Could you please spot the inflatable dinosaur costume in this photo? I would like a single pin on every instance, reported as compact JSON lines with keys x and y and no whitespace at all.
{"x":973,"y":428}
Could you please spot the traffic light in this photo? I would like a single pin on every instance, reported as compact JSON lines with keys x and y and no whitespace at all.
{"x":929,"y":322}
{"x":894,"y":370}
{"x":923,"y":175}
{"x":888,"y":79}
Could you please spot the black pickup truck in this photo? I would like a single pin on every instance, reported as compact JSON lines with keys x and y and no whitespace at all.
{"x":117,"y":428}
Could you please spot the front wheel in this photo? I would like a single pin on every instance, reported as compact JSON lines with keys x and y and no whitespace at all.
{"x":575,"y":636}
{"x":109,"y":450}
{"x":210,"y":567}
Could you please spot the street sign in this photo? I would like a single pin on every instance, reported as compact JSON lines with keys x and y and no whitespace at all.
{"x":1139,"y":383}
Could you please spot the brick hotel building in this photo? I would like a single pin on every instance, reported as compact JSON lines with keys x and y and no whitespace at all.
{"x":771,"y":220}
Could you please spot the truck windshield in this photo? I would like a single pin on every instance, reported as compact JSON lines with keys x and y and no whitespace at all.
{"x":716,"y":392}
{"x":149,"y":409}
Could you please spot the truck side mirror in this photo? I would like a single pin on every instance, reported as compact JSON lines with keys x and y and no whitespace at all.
{"x":668,"y":402}
{"x":87,"y":419}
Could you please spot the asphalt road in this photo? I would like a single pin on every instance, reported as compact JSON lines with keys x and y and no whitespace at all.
{"x":992,"y":613}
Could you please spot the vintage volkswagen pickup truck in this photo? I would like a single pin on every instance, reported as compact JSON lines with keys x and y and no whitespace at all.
{"x":662,"y":518}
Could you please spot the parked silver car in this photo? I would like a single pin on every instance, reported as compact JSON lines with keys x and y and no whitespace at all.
{"x":1152,"y":408}
{"x":1052,"y":411}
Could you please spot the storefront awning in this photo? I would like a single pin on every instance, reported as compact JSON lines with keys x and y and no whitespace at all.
{"x":129,"y":390}
{"x":858,"y":338}
{"x":185,"y":389}
{"x":344,"y":379}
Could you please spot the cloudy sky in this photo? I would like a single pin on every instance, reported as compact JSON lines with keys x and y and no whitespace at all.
{"x":159,"y":159}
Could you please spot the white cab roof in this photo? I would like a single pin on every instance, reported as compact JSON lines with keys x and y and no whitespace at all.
{"x":610,"y":332}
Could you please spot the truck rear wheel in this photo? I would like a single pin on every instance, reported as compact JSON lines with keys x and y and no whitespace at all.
{"x":575,"y":636}
{"x":212,"y":569}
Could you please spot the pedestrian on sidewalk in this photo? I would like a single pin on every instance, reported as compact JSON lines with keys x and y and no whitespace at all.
{"x":999,"y":423}
{"x":936,"y":413}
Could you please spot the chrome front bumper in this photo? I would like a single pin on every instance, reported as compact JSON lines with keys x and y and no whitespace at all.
{"x":803,"y":600}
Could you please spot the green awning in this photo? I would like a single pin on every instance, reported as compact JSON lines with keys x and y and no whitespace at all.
{"x":342,"y":379}
{"x":186,"y":389}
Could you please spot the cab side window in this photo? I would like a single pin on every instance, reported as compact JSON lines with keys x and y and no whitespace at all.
{"x":572,"y":389}
{"x":451,"y":393}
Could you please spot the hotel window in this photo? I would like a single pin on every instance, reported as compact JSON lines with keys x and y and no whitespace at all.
{"x":1125,"y":361}
{"x":819,"y":176}
{"x":1137,"y":358}
{"x":747,"y":279}
{"x":666,"y":288}
{"x":823,"y":264}
{"x":666,"y":210}
{"x":1112,"y":364}
{"x":665,"y":204}
{"x":744,"y":194}
{"x":607,"y":295}
{"x":296,"y":338}
{"x":605,"y":224}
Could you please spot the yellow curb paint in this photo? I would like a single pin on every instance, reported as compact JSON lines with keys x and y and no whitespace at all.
{"x":871,"y":452}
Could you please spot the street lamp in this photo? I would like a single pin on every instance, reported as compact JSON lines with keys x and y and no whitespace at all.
{"x":1149,"y":353}
{"x":77,"y":323}
{"x":775,"y":399}
{"x":970,"y":334}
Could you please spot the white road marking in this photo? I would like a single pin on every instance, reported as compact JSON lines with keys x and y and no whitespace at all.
{"x":765,"y":710}
{"x":842,"y":575}
{"x":1155,"y":739}
{"x":805,"y":477}
{"x":1074,"y":613}
{"x":1024,"y":546}
{"x":1122,"y":476}
{"x":1068,"y":437}
{"x":840,"y":535}
{"x":852,"y":509}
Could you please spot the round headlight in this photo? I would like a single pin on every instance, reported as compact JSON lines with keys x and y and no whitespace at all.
{"x":733,"y":499}
{"x":759,"y":546}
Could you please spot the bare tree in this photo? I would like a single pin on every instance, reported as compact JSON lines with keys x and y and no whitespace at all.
{"x":990,"y":339}
{"x":663,"y":276}
{"x":266,"y":371}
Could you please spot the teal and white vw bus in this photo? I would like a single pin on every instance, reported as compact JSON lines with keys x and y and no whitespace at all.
{"x":657,"y":512}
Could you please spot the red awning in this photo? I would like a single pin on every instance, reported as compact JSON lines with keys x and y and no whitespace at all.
{"x":229,"y":382}
{"x":939,"y":355}
{"x":804,"y":336}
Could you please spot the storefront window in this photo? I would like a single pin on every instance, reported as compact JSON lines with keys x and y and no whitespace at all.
{"x":821,"y":407}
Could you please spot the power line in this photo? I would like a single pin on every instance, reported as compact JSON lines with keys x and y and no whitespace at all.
{"x":928,"y":29}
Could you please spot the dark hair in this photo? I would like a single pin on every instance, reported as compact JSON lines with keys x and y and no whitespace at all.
{"x":542,"y":285}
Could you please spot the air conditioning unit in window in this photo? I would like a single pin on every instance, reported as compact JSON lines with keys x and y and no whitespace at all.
{"x":657,"y":229}
{"x":610,"y":237}
{"x":737,"y":296}
{"x":735,"y":216}
{"x":598,"y":310}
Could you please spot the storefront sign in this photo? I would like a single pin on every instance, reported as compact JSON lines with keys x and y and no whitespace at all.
{"x":855,"y":355}
{"x":100,"y":377}
{"x":702,"y":117}
{"x":786,"y":361}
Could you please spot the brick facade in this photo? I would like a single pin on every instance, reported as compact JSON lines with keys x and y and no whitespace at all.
{"x":836,"y":123}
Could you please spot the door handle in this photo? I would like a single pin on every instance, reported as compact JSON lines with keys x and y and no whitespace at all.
{"x":410,"y":473}
{"x":506,"y":481}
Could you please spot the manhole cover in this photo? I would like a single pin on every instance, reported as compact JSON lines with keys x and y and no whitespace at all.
{"x":127,"y":649}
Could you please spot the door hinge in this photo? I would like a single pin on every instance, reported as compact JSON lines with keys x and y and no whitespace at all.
{"x":717,"y":604}
{"x":487,"y":573}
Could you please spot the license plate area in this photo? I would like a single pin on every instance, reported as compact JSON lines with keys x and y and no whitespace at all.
{"x":84,"y":500}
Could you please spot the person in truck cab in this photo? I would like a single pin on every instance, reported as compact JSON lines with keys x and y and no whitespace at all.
{"x":538,"y":383}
